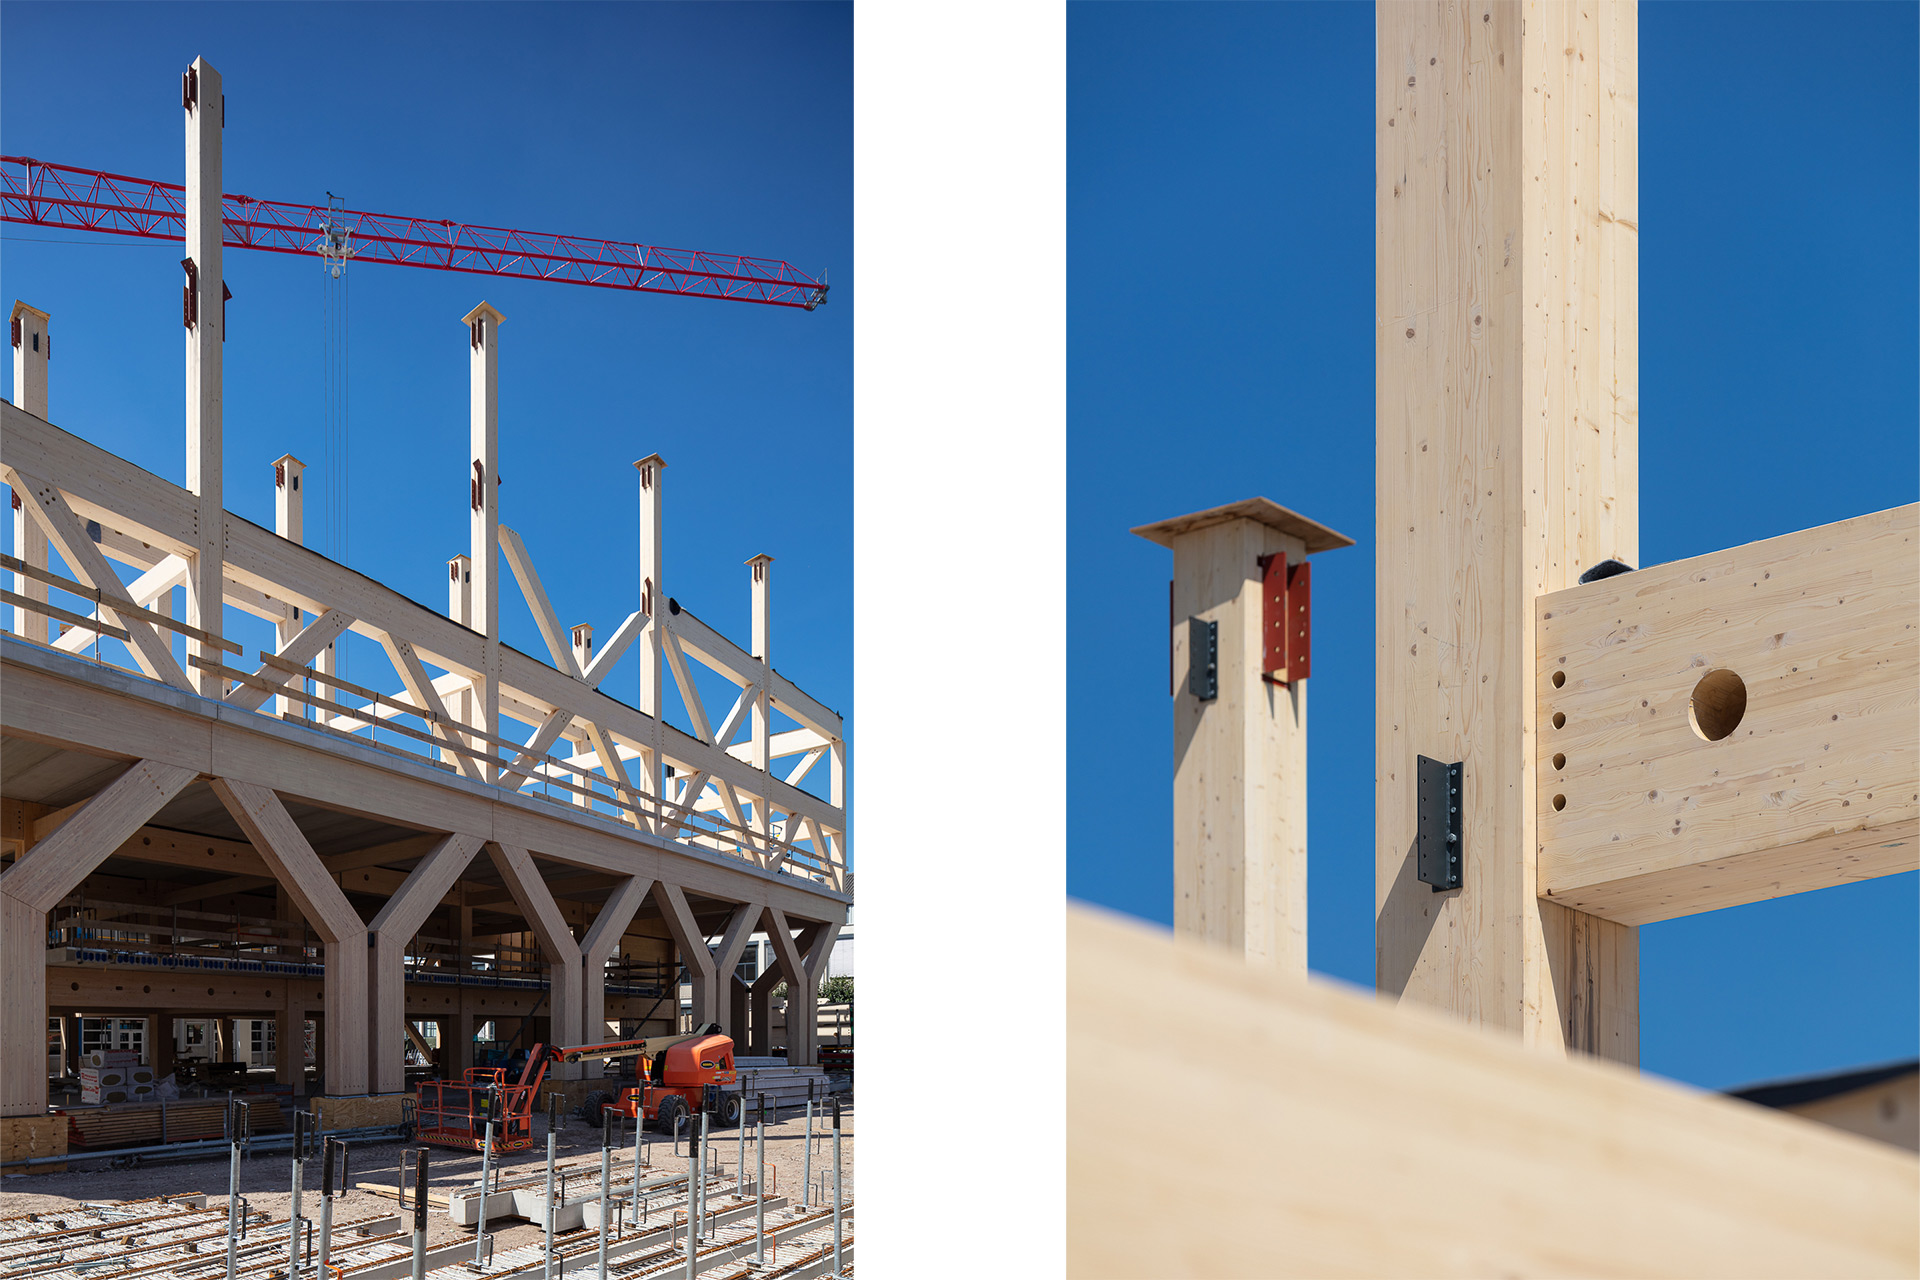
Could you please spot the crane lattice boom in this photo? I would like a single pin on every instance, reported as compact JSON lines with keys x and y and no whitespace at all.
{"x":57,"y":195}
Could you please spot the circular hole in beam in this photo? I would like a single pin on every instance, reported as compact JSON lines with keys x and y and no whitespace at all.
{"x":1559,"y":679}
{"x":1718,"y":704}
{"x":1559,"y":802}
{"x":1559,"y":719}
{"x":1559,"y":760}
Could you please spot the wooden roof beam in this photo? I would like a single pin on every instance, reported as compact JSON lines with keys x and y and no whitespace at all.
{"x":1732,"y":727}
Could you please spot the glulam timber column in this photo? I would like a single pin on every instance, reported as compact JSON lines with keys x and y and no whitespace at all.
{"x":691,"y":946}
{"x":260,"y":814}
{"x":460,"y":703}
{"x":60,"y":853}
{"x":760,"y":1011}
{"x":729,"y":1000}
{"x":289,"y":521}
{"x":388,"y":934}
{"x":548,"y":923}
{"x":596,"y":948}
{"x":652,"y":469}
{"x":1240,"y":661}
{"x":483,"y":334}
{"x":1507,"y":405}
{"x":762,"y":570}
{"x":32,"y":345}
{"x":205,"y":315}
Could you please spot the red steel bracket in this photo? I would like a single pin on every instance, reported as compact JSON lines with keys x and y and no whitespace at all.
{"x":1286,"y":617}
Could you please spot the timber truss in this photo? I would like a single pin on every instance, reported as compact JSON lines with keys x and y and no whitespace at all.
{"x":699,"y":789}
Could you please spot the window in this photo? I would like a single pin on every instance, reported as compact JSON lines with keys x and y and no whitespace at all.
{"x":114,"y":1034}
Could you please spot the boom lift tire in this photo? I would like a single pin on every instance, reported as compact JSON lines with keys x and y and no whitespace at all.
{"x":728,"y":1112}
{"x":671,"y":1108}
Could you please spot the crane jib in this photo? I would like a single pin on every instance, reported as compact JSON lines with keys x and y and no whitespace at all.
{"x":62,"y":196}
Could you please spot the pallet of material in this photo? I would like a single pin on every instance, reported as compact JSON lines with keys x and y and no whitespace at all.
{"x":361,"y":1112}
{"x":143,"y":1124}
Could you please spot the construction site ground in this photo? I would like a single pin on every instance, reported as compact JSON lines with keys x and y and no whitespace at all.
{"x":265,"y":1175}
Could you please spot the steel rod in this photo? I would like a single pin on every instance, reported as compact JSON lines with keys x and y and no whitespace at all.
{"x":759,"y":1182}
{"x":293,"y":1203}
{"x":836,"y":1187}
{"x":489,"y":1100}
{"x":327,"y":1148}
{"x":693,"y":1180}
{"x":553,"y":1149}
{"x":420,"y":1214}
{"x":236,"y":1127}
{"x":606,"y":1174}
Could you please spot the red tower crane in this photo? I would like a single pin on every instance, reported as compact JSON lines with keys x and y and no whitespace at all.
{"x":56,"y":195}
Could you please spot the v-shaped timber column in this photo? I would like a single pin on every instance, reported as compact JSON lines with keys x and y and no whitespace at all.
{"x":601,"y":941}
{"x":801,"y":963}
{"x":1506,"y":349}
{"x":36,"y":882}
{"x":388,"y":934}
{"x":268,"y":825}
{"x":542,"y":913}
{"x":691,"y":945}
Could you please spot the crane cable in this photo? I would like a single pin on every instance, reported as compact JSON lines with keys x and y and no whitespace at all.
{"x":336,"y":251}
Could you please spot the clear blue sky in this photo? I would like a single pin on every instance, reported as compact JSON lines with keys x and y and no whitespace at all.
{"x":719,"y":127}
{"x":1220,"y":345}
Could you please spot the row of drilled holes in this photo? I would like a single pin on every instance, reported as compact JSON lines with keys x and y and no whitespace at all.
{"x":1714,"y":710}
{"x":1559,"y":757}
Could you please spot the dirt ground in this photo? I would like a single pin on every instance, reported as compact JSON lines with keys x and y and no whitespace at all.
{"x":265,"y":1176}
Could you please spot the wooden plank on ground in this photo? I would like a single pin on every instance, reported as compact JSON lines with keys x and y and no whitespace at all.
{"x":1314,"y":1130}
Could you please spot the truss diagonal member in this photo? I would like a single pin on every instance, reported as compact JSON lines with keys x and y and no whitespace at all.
{"x":414,"y":675}
{"x":299,"y":651}
{"x":143,"y":591}
{"x":628,"y":632}
{"x":805,"y":766}
{"x":522,"y":769}
{"x":536,"y":596}
{"x":730,"y":801}
{"x":69,"y":537}
{"x":742,"y":707}
{"x":794,"y":824}
{"x":675,"y":819}
{"x":609,"y":752}
{"x":677,"y":660}
{"x":57,"y":864}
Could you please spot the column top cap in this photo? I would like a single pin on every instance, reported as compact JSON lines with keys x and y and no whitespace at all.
{"x":654,"y":458}
{"x":484,"y":309}
{"x":22,"y":309}
{"x":1260,"y":510}
{"x":288,"y":460}
{"x":762,"y":558}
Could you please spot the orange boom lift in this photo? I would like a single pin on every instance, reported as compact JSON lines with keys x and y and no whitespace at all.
{"x":678,"y":1075}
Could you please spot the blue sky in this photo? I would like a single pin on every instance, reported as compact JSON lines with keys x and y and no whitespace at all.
{"x":1220,"y":293}
{"x":719,"y":127}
